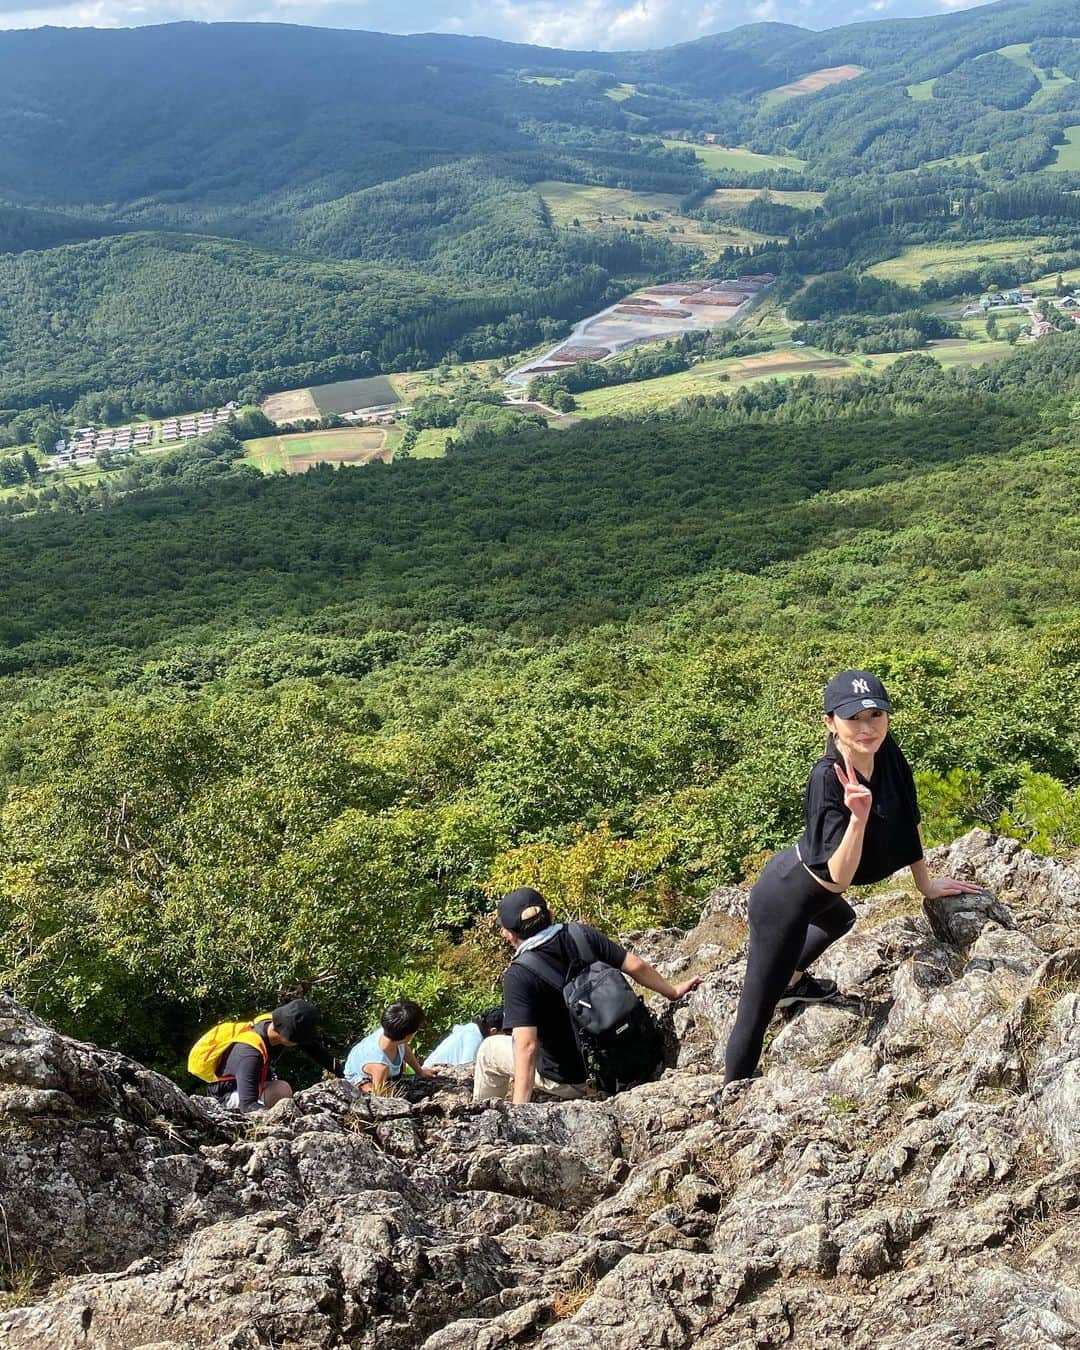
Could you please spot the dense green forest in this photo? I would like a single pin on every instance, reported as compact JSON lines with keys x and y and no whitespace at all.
{"x":266,"y":734}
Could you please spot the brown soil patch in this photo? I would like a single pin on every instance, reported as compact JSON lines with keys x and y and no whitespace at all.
{"x":574,"y":353}
{"x":819,"y":79}
{"x":718,"y":299}
{"x":301,"y":463}
{"x":766,"y":367}
{"x":655,"y":313}
{"x":294,"y":405}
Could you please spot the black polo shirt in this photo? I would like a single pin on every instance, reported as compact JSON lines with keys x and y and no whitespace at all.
{"x":891,"y":840}
{"x":530,"y":1001}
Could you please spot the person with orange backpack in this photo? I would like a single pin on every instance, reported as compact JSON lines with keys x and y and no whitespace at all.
{"x":237,"y":1059}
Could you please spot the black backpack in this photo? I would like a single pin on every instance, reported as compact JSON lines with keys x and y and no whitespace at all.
{"x":620,"y":1040}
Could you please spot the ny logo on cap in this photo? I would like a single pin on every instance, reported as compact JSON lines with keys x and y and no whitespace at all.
{"x":859,"y":687}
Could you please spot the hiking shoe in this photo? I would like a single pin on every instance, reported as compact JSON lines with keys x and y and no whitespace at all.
{"x":808,"y":990}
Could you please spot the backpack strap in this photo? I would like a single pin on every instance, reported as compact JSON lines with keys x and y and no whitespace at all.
{"x":539,"y":968}
{"x":581,"y":942}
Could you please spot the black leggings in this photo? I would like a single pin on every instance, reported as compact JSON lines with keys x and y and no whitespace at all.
{"x":792,"y":921}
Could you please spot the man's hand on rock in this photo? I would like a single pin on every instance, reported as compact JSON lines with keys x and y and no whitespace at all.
{"x":687,"y":987}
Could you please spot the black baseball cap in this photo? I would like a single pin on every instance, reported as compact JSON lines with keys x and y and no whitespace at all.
{"x":853,"y":691}
{"x":297,"y":1022}
{"x":524,"y":911}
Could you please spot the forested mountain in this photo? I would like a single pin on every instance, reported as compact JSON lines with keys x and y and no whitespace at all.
{"x":416,"y":159}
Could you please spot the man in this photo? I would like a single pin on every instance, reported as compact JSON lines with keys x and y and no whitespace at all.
{"x":542,"y":1053}
{"x":245,"y":1079}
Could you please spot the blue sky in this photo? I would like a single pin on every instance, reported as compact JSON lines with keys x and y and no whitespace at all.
{"x":582,"y":24}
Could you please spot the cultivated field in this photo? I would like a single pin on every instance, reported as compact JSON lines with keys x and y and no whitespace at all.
{"x":578,"y":206}
{"x":346,"y":395}
{"x":740,"y":196}
{"x":294,"y":405}
{"x":918,"y":262}
{"x":810,"y":84}
{"x":1068,"y":155}
{"x":297,"y":453}
{"x":737,"y":157}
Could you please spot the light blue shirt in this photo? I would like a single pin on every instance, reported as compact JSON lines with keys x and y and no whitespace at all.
{"x":459,"y":1047}
{"x":369,"y":1051}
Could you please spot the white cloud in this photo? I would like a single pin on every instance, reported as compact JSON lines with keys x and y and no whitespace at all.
{"x":578,"y":24}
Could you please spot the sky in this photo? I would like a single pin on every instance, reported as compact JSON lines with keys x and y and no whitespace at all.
{"x":608,"y":25}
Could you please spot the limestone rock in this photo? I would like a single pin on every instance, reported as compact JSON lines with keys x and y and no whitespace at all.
{"x":905,"y":1175}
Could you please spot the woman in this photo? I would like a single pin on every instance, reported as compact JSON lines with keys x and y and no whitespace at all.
{"x":862,"y":824}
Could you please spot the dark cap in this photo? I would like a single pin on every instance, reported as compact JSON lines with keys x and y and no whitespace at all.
{"x":524,"y":911}
{"x":853,"y":691}
{"x":297,"y":1022}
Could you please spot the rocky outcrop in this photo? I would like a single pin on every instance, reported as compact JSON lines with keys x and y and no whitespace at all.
{"x":905,"y":1176}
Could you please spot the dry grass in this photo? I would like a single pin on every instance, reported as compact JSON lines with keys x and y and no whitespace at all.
{"x":568,"y":1301}
{"x":1037,"y":1011}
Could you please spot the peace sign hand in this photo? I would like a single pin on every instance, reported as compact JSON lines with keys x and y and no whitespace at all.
{"x":857,"y":798}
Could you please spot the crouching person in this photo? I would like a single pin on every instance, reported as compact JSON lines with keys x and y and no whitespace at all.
{"x":375,"y":1064}
{"x":543,"y":1053}
{"x":237,"y":1058}
{"x":460,"y":1046}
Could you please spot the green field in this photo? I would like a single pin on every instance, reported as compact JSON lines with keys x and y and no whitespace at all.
{"x":737,"y":157}
{"x":705,"y":378}
{"x":621,"y":92}
{"x":739,"y":196}
{"x":295,"y":453}
{"x":578,"y":206}
{"x":544,"y":79}
{"x":952,"y":352}
{"x":431,"y":443}
{"x":954,"y":161}
{"x":1068,"y":155}
{"x":921,"y":92}
{"x":918,"y":262}
{"x":1020,"y":53}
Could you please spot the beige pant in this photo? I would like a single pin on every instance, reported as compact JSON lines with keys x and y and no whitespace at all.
{"x":493,"y":1074}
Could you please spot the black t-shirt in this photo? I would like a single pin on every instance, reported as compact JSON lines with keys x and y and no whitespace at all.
{"x":530,"y":1001}
{"x":891,"y":840}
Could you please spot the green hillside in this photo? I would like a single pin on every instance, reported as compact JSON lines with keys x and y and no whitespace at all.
{"x":328,"y":713}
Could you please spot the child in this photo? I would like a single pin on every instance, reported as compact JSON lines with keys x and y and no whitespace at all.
{"x":460,"y":1045}
{"x":378,"y":1059}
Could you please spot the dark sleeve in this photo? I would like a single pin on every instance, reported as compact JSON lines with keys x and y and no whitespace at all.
{"x":244,"y":1064}
{"x":826,"y":819}
{"x":519,"y":999}
{"x":603,"y":948}
{"x":323,"y":1058}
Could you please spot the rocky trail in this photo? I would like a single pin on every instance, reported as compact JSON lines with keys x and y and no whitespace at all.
{"x":905,"y":1176}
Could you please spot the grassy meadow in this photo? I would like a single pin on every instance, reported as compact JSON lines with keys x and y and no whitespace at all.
{"x":740,"y":196}
{"x":737,"y":157}
{"x":578,"y":206}
{"x":919,"y":262}
{"x":1068,"y":155}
